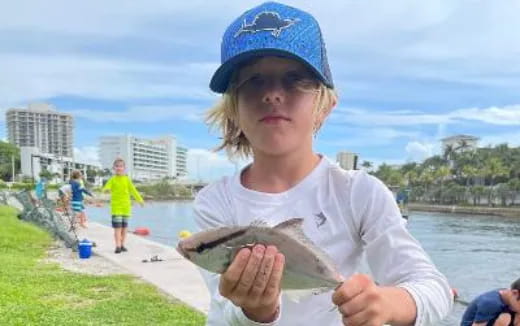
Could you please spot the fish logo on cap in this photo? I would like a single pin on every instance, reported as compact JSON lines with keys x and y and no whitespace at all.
{"x":266,"y":21}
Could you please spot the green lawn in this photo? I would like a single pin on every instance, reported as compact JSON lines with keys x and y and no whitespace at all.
{"x":36,"y":293}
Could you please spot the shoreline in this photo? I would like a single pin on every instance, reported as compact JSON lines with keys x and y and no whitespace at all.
{"x":472,"y":210}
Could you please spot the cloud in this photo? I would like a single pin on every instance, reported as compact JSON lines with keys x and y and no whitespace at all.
{"x":366,"y":137}
{"x":87,"y":154}
{"x":419,"y":151}
{"x":507,"y":115}
{"x":511,"y":138}
{"x":29,"y":77}
{"x":209,"y":166}
{"x":144,"y":114}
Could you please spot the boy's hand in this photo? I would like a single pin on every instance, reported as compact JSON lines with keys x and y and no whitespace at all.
{"x":252,"y":282}
{"x":361,"y":302}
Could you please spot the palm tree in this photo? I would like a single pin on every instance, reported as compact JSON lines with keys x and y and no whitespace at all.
{"x":367,"y":165}
{"x":441,"y":174}
{"x":494,"y":168}
{"x":477,"y":192}
{"x":514,"y":185}
{"x":448,"y":152}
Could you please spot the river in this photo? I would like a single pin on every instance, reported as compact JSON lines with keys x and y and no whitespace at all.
{"x":476,"y":253}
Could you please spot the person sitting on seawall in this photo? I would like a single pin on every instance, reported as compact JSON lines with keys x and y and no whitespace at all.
{"x":499,"y":307}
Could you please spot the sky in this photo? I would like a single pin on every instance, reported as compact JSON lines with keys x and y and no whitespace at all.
{"x":408,"y":73}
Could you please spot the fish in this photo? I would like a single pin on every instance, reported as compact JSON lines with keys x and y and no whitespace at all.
{"x":307,"y":267}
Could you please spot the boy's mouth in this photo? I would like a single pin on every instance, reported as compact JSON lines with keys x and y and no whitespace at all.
{"x":274,"y":118}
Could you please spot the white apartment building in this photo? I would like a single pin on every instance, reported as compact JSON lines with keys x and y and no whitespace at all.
{"x":146,"y":159}
{"x":33,"y":162}
{"x":41,"y":126}
{"x":460,"y":143}
{"x":347,"y":160}
{"x":181,"y":161}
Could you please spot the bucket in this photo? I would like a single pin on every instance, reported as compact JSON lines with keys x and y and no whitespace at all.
{"x":85,"y":249}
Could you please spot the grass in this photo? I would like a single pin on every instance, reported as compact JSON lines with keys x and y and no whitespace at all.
{"x":36,"y":293}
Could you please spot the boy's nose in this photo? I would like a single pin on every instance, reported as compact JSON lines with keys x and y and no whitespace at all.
{"x":274,"y":92}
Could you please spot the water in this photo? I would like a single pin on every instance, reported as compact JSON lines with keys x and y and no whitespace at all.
{"x":476,"y":253}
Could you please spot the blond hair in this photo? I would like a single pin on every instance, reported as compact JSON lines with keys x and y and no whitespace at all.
{"x":76,"y":174}
{"x":118,"y":160}
{"x":224,"y":117}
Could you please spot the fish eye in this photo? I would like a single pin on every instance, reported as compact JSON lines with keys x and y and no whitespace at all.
{"x":200,"y":248}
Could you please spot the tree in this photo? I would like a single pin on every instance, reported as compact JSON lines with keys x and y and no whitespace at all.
{"x":46,"y":174}
{"x":514,"y":185}
{"x":441,"y":174}
{"x":367,"y":165}
{"x":494,"y":168}
{"x":7,"y":153}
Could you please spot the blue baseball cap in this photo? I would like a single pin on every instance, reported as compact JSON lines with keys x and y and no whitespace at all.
{"x":272,"y":29}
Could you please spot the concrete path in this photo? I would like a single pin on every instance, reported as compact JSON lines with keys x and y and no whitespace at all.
{"x":174,"y":275}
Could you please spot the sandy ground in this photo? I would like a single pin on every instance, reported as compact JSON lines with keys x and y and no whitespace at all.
{"x":69,"y":260}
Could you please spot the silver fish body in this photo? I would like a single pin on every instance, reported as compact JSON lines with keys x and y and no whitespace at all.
{"x":306,"y":265}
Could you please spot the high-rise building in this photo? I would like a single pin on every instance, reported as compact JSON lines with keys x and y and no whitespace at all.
{"x":347,"y":160}
{"x":145,"y":159}
{"x":181,"y":161}
{"x":41,"y":126}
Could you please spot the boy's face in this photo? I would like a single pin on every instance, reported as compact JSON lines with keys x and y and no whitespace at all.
{"x":119,"y":168}
{"x":276,"y":99}
{"x":515,"y":301}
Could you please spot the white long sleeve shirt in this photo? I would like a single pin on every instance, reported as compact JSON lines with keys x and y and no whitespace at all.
{"x":345,"y":213}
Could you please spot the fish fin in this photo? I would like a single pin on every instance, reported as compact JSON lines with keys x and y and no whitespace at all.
{"x":259,"y":223}
{"x":293,"y":228}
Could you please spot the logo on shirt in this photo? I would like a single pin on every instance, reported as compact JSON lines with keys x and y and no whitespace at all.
{"x":266,"y":21}
{"x":320,"y":219}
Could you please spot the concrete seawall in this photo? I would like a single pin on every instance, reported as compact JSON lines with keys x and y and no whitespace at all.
{"x":477,"y":210}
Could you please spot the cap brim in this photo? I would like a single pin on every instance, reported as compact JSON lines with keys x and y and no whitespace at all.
{"x":222,"y":76}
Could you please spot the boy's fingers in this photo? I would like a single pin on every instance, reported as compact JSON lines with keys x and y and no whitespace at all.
{"x":248,"y":276}
{"x":229,"y":279}
{"x":273,"y":286}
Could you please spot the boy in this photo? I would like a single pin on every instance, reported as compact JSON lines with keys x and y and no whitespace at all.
{"x":495,"y":308}
{"x":77,"y":191}
{"x":40,"y":190}
{"x":64,"y":193}
{"x":121,"y":188}
{"x":277,"y":91}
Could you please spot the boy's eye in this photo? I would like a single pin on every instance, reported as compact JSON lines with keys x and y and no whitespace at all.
{"x":256,"y":80}
{"x":290,"y":81}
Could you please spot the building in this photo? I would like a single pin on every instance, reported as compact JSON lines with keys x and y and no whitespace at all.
{"x":347,"y":160}
{"x":41,"y":126}
{"x":33,"y":162}
{"x":181,"y":161}
{"x":460,"y":143}
{"x":145,"y":159}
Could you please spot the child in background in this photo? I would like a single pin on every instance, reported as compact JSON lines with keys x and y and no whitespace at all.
{"x":121,"y":188}
{"x":40,"y":191}
{"x":64,"y":194}
{"x":77,"y":191}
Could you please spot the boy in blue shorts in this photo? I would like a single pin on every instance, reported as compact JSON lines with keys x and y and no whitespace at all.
{"x":78,"y":208}
{"x":121,"y":189}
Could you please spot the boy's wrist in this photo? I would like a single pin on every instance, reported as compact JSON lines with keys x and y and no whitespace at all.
{"x":263,"y":315}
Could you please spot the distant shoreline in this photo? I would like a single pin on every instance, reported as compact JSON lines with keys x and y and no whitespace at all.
{"x":473,"y":210}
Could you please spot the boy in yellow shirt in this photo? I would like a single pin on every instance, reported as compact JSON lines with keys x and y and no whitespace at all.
{"x":121,"y":188}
